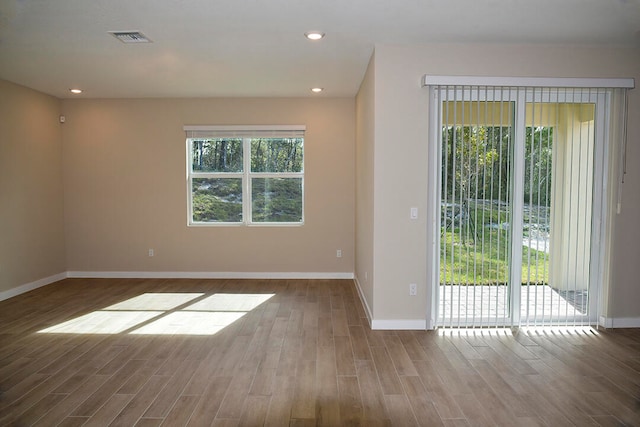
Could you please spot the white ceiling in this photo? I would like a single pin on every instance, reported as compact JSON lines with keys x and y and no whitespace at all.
{"x":205,"y":48}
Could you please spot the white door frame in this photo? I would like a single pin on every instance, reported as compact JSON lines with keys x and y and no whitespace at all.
{"x":521,"y":97}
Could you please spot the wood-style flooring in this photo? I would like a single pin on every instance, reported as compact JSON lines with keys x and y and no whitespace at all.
{"x":124,"y":352}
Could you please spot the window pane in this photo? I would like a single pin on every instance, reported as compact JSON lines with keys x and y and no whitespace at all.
{"x":276,"y":154}
{"x":276,"y":199}
{"x":217,"y":199}
{"x":216,"y":155}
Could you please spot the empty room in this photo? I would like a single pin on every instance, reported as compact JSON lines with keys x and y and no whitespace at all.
{"x":297,"y":213}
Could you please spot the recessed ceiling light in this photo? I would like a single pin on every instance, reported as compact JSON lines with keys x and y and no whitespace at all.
{"x":314,"y":35}
{"x":317,"y":90}
{"x":76,"y":91}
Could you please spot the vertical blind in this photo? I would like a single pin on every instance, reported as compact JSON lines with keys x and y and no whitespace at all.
{"x":519,"y":204}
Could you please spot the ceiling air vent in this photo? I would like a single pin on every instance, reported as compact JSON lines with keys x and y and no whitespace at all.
{"x":130,"y":36}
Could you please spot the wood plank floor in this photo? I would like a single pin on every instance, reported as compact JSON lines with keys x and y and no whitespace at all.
{"x":289,"y":353}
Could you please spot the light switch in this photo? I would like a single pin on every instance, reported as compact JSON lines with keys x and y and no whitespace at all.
{"x":414,"y":213}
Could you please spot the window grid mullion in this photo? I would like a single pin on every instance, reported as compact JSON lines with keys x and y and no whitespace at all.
{"x":247,"y":209}
{"x":276,"y":175}
{"x":212,"y":175}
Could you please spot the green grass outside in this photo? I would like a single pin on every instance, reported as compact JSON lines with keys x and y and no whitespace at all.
{"x":483,"y":259}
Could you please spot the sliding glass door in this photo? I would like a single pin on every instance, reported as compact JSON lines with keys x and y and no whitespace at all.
{"x":520,"y":172}
{"x":562,"y":176}
{"x":476,"y":207}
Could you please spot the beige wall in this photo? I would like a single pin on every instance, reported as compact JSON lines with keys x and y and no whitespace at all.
{"x":124,"y":177}
{"x":125,"y":192}
{"x":365,"y":134}
{"x":400,"y":176}
{"x":31,"y":193}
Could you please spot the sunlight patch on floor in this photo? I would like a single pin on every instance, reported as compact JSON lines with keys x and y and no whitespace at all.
{"x":103,"y":322}
{"x":164,"y":314}
{"x":475,"y":332}
{"x":190,"y":323}
{"x":155,"y":301}
{"x":560,"y":330}
{"x":230,"y":302}
{"x":529,"y":330}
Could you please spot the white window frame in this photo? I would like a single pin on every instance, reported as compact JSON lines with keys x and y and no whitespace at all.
{"x":247,"y":134}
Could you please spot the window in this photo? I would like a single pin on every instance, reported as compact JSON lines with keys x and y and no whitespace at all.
{"x":245,"y":175}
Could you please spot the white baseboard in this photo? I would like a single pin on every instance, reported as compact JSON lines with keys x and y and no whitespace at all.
{"x":389,"y":324}
{"x":31,"y":286}
{"x":367,"y":309}
{"x":204,"y":275}
{"x":399,"y":324}
{"x":620,"y":322}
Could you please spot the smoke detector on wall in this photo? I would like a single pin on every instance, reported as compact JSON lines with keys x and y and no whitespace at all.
{"x":130,"y":36}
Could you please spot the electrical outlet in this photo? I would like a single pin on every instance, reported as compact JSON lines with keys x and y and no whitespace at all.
{"x":339,"y":253}
{"x":151,"y":252}
{"x":413,"y":289}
